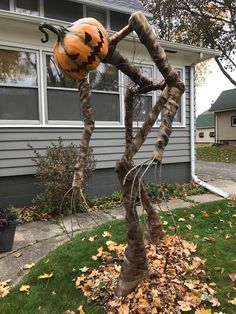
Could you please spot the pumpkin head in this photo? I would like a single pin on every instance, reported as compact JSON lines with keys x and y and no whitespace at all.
{"x":80,"y":47}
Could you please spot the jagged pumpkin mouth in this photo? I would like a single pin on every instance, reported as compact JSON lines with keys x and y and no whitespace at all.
{"x":91,"y":57}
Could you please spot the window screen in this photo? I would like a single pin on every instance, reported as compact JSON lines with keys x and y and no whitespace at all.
{"x":233,"y":121}
{"x":63,"y":10}
{"x":118,"y":20}
{"x":98,"y":14}
{"x":27,"y":6}
{"x":5,"y":5}
{"x":142,"y":103}
{"x":18,"y":85}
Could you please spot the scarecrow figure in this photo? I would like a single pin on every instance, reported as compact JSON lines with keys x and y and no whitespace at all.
{"x":79,"y":49}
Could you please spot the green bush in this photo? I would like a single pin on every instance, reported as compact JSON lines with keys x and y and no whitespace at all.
{"x":55,"y":172}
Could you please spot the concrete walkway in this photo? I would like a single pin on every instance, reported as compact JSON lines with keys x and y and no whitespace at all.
{"x":35,"y":239}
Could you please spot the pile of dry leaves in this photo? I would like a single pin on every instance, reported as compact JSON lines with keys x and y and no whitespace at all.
{"x":177,"y":283}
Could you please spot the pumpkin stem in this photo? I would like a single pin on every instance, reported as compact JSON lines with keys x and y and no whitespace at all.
{"x":58,"y":30}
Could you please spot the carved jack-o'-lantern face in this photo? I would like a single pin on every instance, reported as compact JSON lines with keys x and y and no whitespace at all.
{"x":79,"y":48}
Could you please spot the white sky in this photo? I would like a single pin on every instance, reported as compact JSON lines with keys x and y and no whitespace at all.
{"x":214,"y":84}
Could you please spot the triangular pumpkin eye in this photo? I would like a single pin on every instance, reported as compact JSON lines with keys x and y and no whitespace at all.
{"x":88,"y":38}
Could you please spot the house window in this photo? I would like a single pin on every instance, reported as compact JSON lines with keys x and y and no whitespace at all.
{"x":118,"y":20}
{"x":97,"y":14}
{"x":63,"y":100}
{"x":233,"y":121}
{"x":180,"y":114}
{"x":5,"y":5}
{"x":30,"y":7}
{"x":211,"y":134}
{"x":106,"y":97}
{"x":142,"y":103}
{"x":63,"y":10}
{"x":62,"y":95}
{"x":18,"y":85}
{"x":201,"y":134}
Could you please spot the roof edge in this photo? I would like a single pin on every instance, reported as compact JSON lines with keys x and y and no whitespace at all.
{"x":111,"y":6}
{"x":166,"y":44}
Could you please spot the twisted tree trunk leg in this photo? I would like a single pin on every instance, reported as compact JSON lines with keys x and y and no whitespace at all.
{"x":134,"y":268}
{"x":87,"y":114}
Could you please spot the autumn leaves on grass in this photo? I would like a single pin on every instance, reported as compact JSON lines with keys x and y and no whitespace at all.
{"x":176,"y":282}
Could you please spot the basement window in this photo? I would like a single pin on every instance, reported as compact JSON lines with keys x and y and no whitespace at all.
{"x":201,"y":134}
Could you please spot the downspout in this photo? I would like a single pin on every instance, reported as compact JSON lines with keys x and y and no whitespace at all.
{"x":209,"y":187}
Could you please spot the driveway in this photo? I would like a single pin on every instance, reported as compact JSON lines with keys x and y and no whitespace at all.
{"x":208,"y":170}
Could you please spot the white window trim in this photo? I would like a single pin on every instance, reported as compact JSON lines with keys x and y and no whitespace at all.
{"x":181,"y":124}
{"x":42,"y":91}
{"x":137,"y":124}
{"x":232,"y":123}
{"x":71,"y":123}
{"x":40,"y":8}
{"x":12,"y":123}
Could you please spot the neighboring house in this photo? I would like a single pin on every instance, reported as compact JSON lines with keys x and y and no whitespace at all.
{"x":38,"y":105}
{"x":205,"y":128}
{"x":224,"y":109}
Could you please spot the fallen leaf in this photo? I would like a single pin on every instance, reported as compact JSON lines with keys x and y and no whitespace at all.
{"x":123,"y":309}
{"x":80,"y":309}
{"x":45,"y":276}
{"x":181,"y":219}
{"x":25,"y":288}
{"x":203,"y":311}
{"x":204,"y":214}
{"x":84,"y":269}
{"x":184,"y":306}
{"x":232,"y":276}
{"x":232,"y":301}
{"x":91,"y":239}
{"x":212,"y":284}
{"x":28,"y":266}
{"x":18,"y":254}
{"x":189,"y":227}
{"x":69,"y":312}
{"x":165,"y":223}
{"x":4,"y":288}
{"x":94,"y":257}
{"x":113,"y":303}
{"x":107,"y":234}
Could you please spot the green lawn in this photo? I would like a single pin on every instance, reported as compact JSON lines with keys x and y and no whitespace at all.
{"x":213,"y":153}
{"x":211,"y":226}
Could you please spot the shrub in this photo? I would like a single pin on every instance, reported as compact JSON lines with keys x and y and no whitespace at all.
{"x":7,"y":216}
{"x":55,"y":173}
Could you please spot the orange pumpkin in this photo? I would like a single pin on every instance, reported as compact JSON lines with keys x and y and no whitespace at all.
{"x":80,"y":47}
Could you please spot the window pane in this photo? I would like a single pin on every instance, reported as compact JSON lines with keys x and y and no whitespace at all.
{"x":19,"y":103}
{"x":233,"y":121}
{"x":18,"y":68}
{"x":106,"y":106}
{"x":63,"y":105}
{"x":99,"y":15}
{"x":63,"y":10}
{"x":27,"y":7}
{"x":118,"y":20}
{"x":55,"y":78}
{"x":105,"y":77}
{"x":5,"y":5}
{"x":143,"y":104}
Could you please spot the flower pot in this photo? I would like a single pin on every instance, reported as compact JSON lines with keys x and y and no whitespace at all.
{"x":7,"y":234}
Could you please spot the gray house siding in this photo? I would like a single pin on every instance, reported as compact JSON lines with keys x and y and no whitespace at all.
{"x":17,"y":168}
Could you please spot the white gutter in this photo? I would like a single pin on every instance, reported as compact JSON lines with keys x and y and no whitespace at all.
{"x":209,"y":187}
